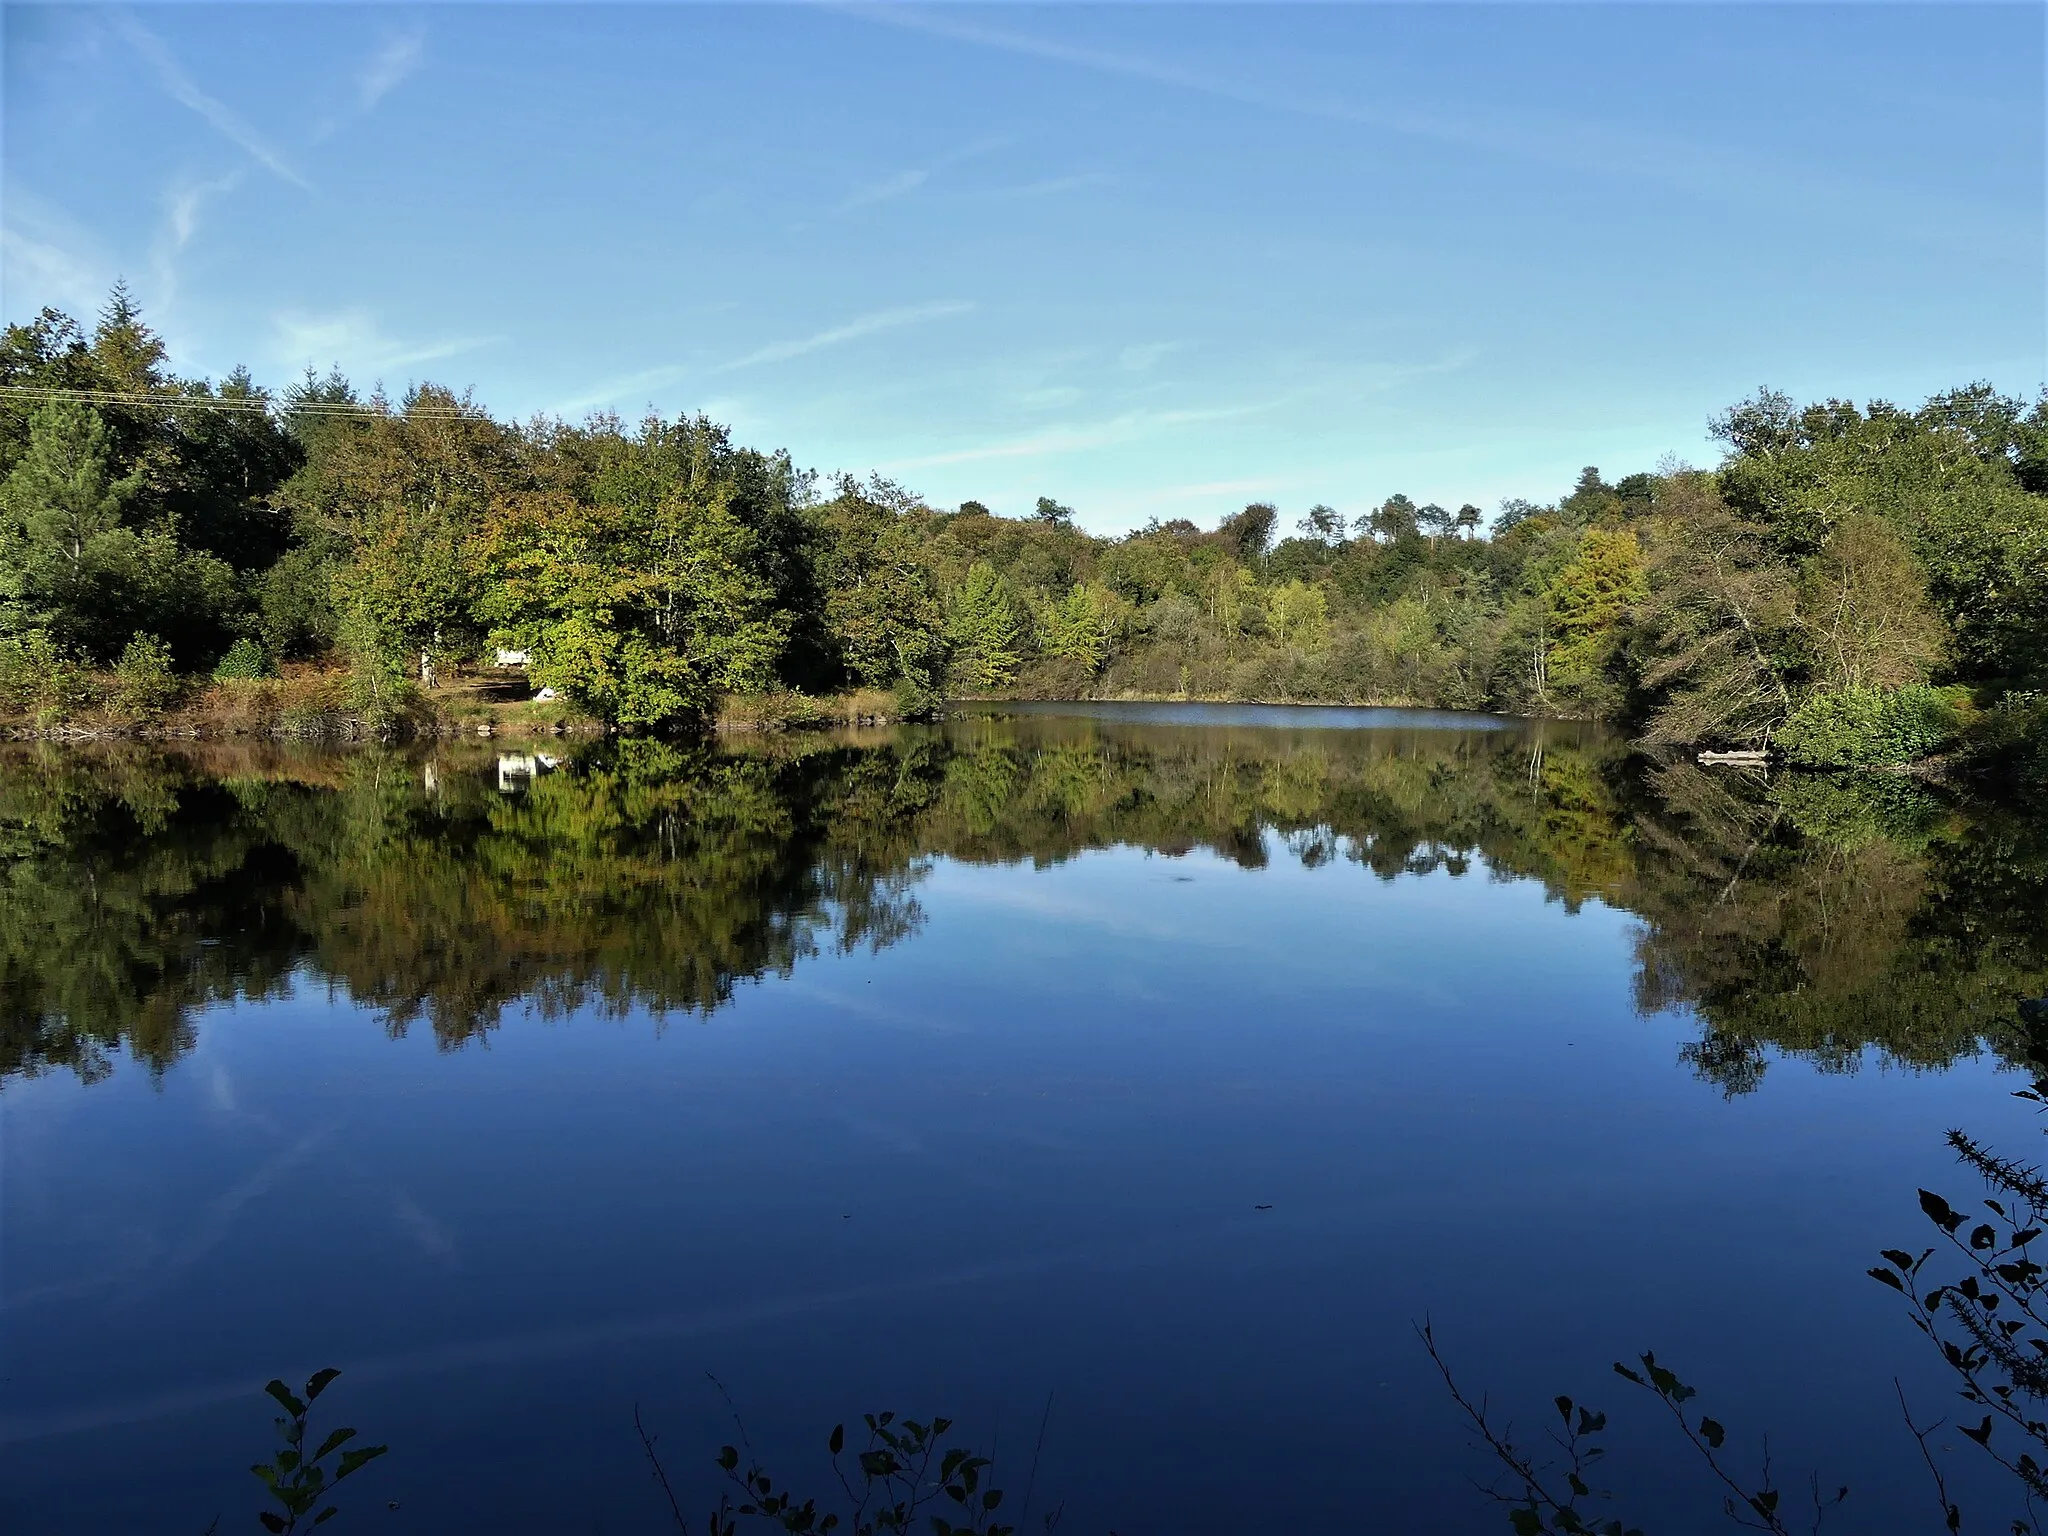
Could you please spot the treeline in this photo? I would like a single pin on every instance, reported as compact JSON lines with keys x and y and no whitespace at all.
{"x":1852,"y":586}
{"x":1820,"y":915}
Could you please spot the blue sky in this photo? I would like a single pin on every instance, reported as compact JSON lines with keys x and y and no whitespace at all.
{"x":1150,"y":260}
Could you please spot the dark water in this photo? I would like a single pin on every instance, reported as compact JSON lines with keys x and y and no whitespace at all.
{"x":1159,"y":1065}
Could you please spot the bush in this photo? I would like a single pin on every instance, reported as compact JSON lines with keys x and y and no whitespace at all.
{"x":2011,"y":740}
{"x":144,"y":679}
{"x":38,"y":676}
{"x":244,"y":663}
{"x":1869,"y":727}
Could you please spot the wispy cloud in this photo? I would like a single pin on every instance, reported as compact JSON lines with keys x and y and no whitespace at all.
{"x":854,"y":330}
{"x":1070,"y":439}
{"x":611,"y":391}
{"x":1637,"y":152}
{"x":388,"y":68}
{"x":44,"y":261}
{"x":1052,"y":187}
{"x":905,"y":182}
{"x":186,"y":92}
{"x":183,"y":203}
{"x":354,"y":340}
{"x":902,"y":184}
{"x":1144,"y":356}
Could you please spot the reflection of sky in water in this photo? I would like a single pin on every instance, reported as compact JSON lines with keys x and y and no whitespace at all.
{"x":1296,"y":717}
{"x":1020,"y":1153}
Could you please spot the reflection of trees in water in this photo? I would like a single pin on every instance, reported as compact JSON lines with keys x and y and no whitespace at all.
{"x":1822,"y":916}
{"x":1812,"y":915}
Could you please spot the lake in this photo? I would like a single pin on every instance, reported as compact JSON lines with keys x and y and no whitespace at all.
{"x":1124,"y":1082}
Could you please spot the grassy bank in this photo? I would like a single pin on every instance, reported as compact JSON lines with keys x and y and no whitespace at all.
{"x":321,"y":702}
{"x":780,"y":711}
{"x":306,"y":701}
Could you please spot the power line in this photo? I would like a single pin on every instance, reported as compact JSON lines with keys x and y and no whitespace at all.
{"x":248,"y":405}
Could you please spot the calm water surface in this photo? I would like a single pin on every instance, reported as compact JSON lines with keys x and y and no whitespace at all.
{"x":1144,"y":1071}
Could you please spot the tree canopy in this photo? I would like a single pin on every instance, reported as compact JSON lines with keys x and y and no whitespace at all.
{"x":649,"y":568}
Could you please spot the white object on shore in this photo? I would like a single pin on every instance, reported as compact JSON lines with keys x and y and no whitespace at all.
{"x":514,"y":658}
{"x":543,"y":696}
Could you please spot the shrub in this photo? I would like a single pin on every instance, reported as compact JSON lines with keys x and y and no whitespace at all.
{"x":244,"y":663}
{"x":2011,"y":740}
{"x":144,"y":680}
{"x":38,"y":676}
{"x":1869,"y":727}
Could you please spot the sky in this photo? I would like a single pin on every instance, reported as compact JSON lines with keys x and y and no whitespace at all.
{"x":1152,"y":261}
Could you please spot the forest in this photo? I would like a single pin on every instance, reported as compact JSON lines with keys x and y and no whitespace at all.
{"x":1848,"y":586}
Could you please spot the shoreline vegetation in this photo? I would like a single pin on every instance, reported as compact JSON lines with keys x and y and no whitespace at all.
{"x":1849,"y":588}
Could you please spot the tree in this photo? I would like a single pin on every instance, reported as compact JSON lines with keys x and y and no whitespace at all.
{"x":640,"y":615}
{"x":1720,"y":630}
{"x":408,"y":494}
{"x":1863,"y":604}
{"x":1588,"y":600}
{"x":1514,"y":512}
{"x":74,"y":565}
{"x":1077,"y":627}
{"x":224,"y":466}
{"x":1435,"y":520}
{"x":882,"y":608}
{"x":1052,"y":513}
{"x":1300,"y":615}
{"x":1947,"y":481}
{"x":130,"y":355}
{"x":986,"y":632}
{"x":1323,"y":524}
{"x":1468,"y":519}
{"x":1589,"y":500}
{"x":1249,"y":533}
{"x":1392,"y":520}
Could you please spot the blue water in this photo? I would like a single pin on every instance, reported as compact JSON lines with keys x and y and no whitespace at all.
{"x":1161,"y":1151}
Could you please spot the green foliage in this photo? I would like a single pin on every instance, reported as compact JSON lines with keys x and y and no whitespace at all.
{"x":1299,"y":615}
{"x":76,"y":561}
{"x":882,"y":612}
{"x":300,"y":1479}
{"x":39,"y":676}
{"x":144,"y":679}
{"x":1080,"y":627}
{"x":2011,"y":742}
{"x":1947,"y":479}
{"x":379,"y":684}
{"x":1849,"y":810}
{"x":1589,"y":600}
{"x":653,"y":568}
{"x":132,"y":516}
{"x":244,"y":662}
{"x":1869,"y":727}
{"x":295,"y":608}
{"x":986,"y":630}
